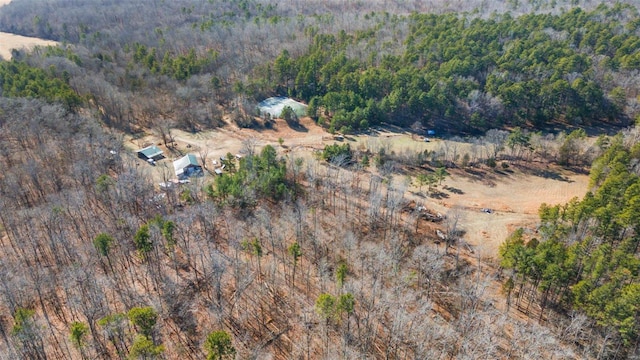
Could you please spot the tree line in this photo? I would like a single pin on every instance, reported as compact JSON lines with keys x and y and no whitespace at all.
{"x":584,"y":254}
{"x":468,"y":74}
{"x":257,"y":176}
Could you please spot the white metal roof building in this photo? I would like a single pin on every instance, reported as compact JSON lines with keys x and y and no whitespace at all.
{"x":187,"y":166}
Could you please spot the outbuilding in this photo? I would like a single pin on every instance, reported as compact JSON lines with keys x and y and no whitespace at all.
{"x":151,"y":153}
{"x":187,"y":166}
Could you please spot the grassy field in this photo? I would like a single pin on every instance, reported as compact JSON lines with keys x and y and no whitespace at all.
{"x":12,"y":41}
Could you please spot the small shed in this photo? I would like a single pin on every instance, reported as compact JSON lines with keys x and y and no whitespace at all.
{"x":150,"y":153}
{"x":187,"y":166}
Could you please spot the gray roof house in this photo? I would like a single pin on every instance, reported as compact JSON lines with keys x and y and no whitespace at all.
{"x":187,"y":166}
{"x":151,"y":153}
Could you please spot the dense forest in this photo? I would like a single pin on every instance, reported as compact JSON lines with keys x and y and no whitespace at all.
{"x":317,"y":257}
{"x":585,"y":253}
{"x":96,"y":265}
{"x":469,"y":74}
{"x":194,"y":65}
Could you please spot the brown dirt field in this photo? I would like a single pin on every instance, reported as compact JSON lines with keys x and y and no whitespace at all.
{"x":513,"y":195}
{"x":220,"y":142}
{"x":514,"y":199}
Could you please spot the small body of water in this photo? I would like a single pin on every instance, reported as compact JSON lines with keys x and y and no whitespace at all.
{"x":274,"y":106}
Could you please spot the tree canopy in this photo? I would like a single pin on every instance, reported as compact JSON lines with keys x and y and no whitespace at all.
{"x":263,"y":175}
{"x":218,"y":345}
{"x":585,"y":255}
{"x":472,"y":73}
{"x":18,"y":79}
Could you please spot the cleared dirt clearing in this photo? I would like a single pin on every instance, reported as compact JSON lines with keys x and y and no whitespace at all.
{"x":514,"y":199}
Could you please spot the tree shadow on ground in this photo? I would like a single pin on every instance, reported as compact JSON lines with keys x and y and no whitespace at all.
{"x":453,"y":190}
{"x":480,"y":175}
{"x":549,"y":174}
{"x":503,"y":172}
{"x":435,"y":194}
{"x":592,"y":130}
{"x":276,"y":124}
{"x":552,"y":173}
{"x":297,"y":126}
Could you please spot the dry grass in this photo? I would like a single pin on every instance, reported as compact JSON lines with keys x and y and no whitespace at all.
{"x":12,"y":41}
{"x":514,"y":199}
{"x":514,"y":195}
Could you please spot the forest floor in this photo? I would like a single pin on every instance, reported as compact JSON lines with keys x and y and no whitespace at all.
{"x":11,"y":41}
{"x":513,"y":195}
